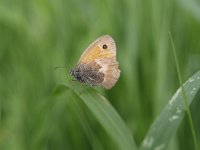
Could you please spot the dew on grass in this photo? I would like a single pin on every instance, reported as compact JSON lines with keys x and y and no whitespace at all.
{"x":193,"y":90}
{"x":148,"y":142}
{"x":160,"y":147}
{"x":174,"y":97}
{"x":174,"y":117}
{"x":191,"y":80}
{"x":178,"y":110}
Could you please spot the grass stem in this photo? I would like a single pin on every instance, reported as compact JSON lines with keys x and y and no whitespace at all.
{"x":184,"y":93}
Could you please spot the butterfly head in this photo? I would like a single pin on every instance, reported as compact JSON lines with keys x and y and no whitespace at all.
{"x":71,"y":72}
{"x":76,"y":73}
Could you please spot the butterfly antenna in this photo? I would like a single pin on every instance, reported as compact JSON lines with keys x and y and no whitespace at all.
{"x":57,"y":67}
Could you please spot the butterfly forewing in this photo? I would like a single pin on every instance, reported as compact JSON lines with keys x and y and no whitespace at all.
{"x":103,"y":47}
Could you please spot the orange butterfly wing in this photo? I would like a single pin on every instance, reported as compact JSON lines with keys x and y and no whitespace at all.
{"x":103,"y":47}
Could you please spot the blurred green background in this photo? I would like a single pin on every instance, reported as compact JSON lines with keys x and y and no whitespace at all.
{"x":38,"y":35}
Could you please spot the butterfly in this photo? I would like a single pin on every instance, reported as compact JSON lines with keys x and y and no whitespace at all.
{"x":97,"y":65}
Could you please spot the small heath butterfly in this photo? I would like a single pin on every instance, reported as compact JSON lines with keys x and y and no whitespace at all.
{"x":97,"y":65}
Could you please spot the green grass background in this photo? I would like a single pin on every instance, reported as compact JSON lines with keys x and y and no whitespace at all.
{"x":38,"y":35}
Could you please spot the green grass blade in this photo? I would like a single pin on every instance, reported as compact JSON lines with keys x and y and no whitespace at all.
{"x":106,"y":115}
{"x":185,"y":100}
{"x":166,"y":124}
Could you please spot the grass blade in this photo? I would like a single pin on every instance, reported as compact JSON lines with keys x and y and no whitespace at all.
{"x":106,"y":115}
{"x":166,"y":124}
{"x":185,"y":100}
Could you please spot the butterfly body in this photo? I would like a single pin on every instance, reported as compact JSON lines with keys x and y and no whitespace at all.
{"x":97,"y":66}
{"x":88,"y":73}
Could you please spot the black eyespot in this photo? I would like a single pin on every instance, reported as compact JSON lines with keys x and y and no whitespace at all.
{"x":105,"y":46}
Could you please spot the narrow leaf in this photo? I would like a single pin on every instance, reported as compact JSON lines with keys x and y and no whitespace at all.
{"x":107,"y":116}
{"x":166,"y":124}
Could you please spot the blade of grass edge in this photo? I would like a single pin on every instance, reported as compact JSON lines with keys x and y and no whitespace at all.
{"x":166,"y":124}
{"x":185,"y":99}
{"x":107,"y":116}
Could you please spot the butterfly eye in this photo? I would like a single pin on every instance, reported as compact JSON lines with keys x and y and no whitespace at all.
{"x":104,"y":46}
